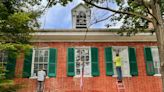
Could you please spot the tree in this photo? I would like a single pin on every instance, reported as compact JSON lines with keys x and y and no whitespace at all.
{"x":17,"y":21}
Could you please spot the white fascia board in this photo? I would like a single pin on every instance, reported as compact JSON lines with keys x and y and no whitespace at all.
{"x":84,"y":33}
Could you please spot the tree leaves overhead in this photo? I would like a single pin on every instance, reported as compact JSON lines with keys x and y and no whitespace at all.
{"x":134,"y":14}
{"x":15,"y":22}
{"x":162,"y":6}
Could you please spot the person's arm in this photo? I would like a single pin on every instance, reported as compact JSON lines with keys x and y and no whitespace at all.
{"x":44,"y":75}
{"x":114,"y":61}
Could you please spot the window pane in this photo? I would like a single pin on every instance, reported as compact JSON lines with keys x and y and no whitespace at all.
{"x":41,"y":66}
{"x":40,"y":59}
{"x":35,"y":73}
{"x":36,"y":59}
{"x":82,"y":58}
{"x":46,"y":53}
{"x":87,"y":63}
{"x":36,"y":53}
{"x":77,"y":64}
{"x":87,"y":58}
{"x":41,"y":53}
{"x":45,"y":66}
{"x":35,"y":66}
{"x":157,"y":70}
{"x":77,"y":71}
{"x":45,"y":59}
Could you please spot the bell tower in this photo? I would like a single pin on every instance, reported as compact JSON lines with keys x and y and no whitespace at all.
{"x":81,"y":16}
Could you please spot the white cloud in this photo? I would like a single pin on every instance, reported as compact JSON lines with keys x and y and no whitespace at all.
{"x":59,"y":17}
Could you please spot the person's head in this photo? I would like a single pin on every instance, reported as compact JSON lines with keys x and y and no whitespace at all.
{"x":41,"y":69}
{"x":117,"y":54}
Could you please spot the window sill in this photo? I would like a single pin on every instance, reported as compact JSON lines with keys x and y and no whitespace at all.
{"x":158,"y":75}
{"x":77,"y":76}
{"x":123,"y":76}
{"x":35,"y":77}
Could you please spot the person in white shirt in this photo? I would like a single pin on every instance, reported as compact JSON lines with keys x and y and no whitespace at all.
{"x":41,"y":78}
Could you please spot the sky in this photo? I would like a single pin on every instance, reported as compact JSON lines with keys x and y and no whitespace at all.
{"x":59,"y":17}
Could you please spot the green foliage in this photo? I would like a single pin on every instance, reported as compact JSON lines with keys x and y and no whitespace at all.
{"x":162,"y":6}
{"x":130,"y":9}
{"x":135,"y":23}
{"x":17,"y":21}
{"x":8,"y":86}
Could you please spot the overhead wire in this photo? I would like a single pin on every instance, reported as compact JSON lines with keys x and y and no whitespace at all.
{"x":44,"y":23}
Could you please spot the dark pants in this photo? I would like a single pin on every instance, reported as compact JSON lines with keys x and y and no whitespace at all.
{"x":119,"y":73}
{"x":40,"y":86}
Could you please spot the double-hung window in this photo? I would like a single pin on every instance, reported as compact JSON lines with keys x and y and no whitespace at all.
{"x":156,"y":60}
{"x":152,"y":60}
{"x":128,"y":60}
{"x":82,"y":61}
{"x":123,"y":53}
{"x":39,"y":60}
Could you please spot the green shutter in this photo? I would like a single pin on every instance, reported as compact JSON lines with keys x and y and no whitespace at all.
{"x":70,"y":62}
{"x":94,"y":60}
{"x":109,"y":61}
{"x":10,"y":67}
{"x":133,"y":62}
{"x":149,"y":61}
{"x":52,"y":62}
{"x":27,"y":64}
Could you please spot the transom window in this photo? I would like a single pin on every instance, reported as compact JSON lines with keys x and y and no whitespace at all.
{"x":40,"y":60}
{"x":82,"y":61}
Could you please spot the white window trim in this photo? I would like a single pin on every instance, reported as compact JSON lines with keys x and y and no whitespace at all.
{"x":84,"y":47}
{"x":153,"y":61}
{"x":35,"y":77}
{"x":115,"y":74}
{"x":158,"y":75}
{"x":32,"y":64}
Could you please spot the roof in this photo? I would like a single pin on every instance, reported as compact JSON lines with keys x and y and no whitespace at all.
{"x":90,"y":35}
{"x":81,"y":4}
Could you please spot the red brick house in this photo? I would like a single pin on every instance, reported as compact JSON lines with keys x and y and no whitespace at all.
{"x":61,"y":52}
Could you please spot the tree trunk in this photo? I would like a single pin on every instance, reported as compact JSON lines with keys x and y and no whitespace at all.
{"x":159,"y":27}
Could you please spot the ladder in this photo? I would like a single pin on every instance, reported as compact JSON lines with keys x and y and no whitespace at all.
{"x":120,"y":86}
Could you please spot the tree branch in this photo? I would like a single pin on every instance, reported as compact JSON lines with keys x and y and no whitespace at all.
{"x":118,"y":11}
{"x":149,"y":12}
{"x":97,"y":21}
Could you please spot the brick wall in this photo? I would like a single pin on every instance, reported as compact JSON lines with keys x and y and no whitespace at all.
{"x":103,"y":83}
